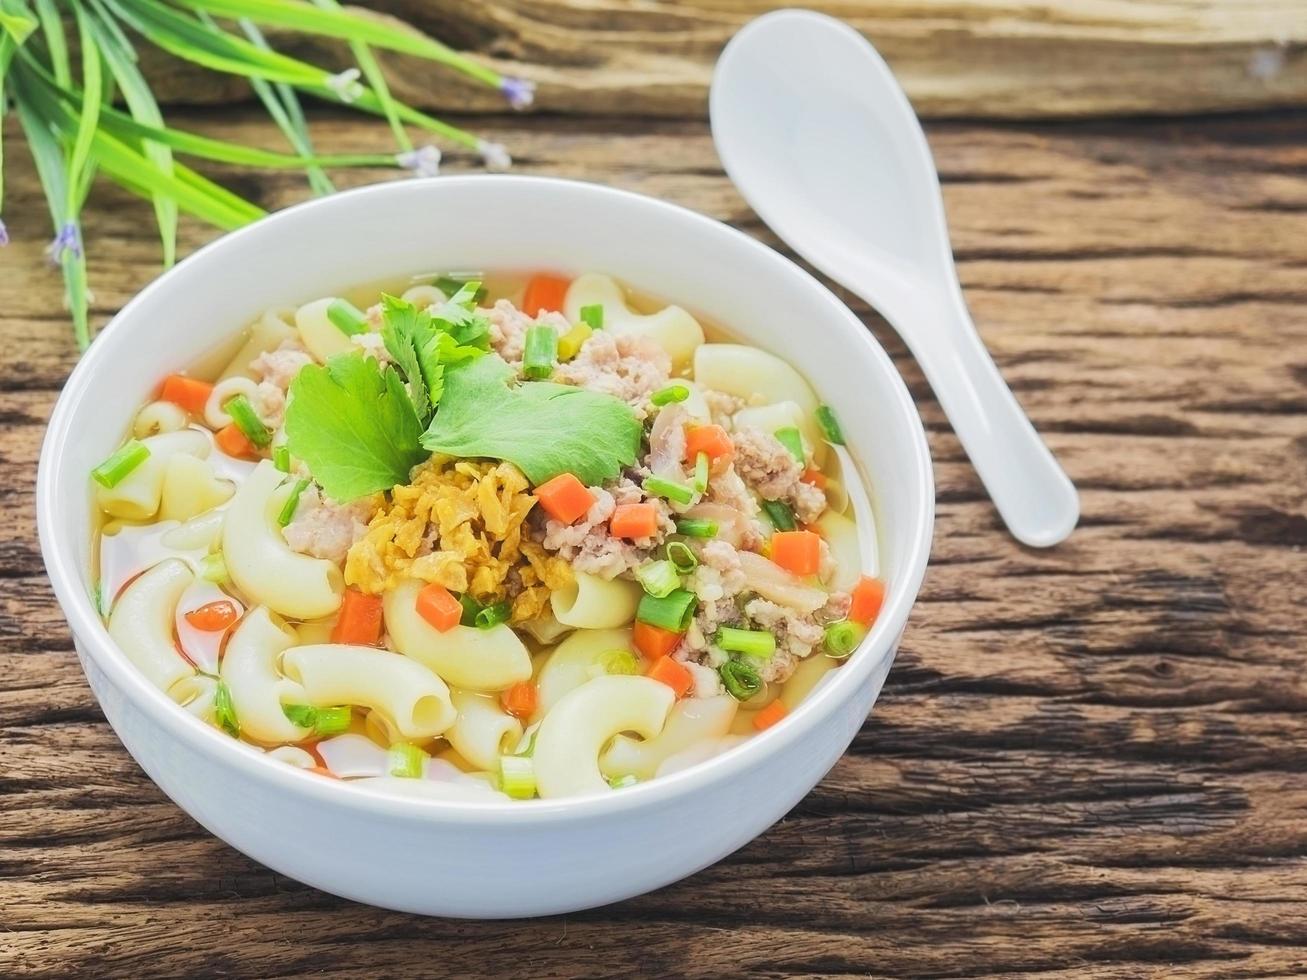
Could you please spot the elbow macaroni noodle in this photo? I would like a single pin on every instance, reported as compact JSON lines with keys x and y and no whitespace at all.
{"x":205,"y":594}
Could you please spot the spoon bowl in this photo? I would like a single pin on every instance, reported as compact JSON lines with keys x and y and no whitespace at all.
{"x":816,"y":133}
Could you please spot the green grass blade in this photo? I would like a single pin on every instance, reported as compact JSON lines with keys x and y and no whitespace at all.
{"x":142,"y":106}
{"x":52,"y":31}
{"x":7,"y":48}
{"x":284,"y":106}
{"x":213,"y":48}
{"x":48,"y":156}
{"x":376,"y":80}
{"x":88,"y":118}
{"x":107,"y":22}
{"x":369,"y":102}
{"x":347,"y":26}
{"x":16,"y":26}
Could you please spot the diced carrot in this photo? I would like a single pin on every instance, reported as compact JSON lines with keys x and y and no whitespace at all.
{"x":545,"y":294}
{"x":653,"y":641}
{"x":213,"y":616}
{"x":437,"y":605}
{"x":770,"y":715}
{"x":190,"y":393}
{"x":673,"y":673}
{"x":520,"y":700}
{"x":231,"y":440}
{"x":359,"y":621}
{"x":796,"y":551}
{"x":815,"y":476}
{"x":564,"y":498}
{"x":634,"y":521}
{"x":867,"y":598}
{"x":710,"y":439}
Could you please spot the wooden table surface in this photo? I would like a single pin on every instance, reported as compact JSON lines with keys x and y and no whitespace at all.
{"x":1088,"y":762}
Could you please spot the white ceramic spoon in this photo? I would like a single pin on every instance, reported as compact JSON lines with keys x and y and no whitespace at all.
{"x":816,"y":133}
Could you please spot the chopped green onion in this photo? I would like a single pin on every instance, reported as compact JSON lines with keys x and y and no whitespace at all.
{"x":694,"y":527}
{"x":333,"y":721}
{"x":670,"y":612}
{"x":303,"y":715}
{"x":830,"y":425}
{"x":527,"y":746}
{"x":115,"y":469}
{"x":452,"y":286}
{"x":467,"y":295}
{"x":792,"y":439}
{"x":842,"y":638}
{"x":224,"y":712}
{"x":213,"y":568}
{"x":347,"y":317}
{"x":281,"y":457}
{"x":405,"y":760}
{"x":670,"y":395}
{"x":779,"y":514}
{"x":701,"y":464}
{"x":517,"y":776}
{"x":540,"y":352}
{"x":621,"y":782}
{"x":675,"y":492}
{"x":680,"y":555}
{"x":470,"y":609}
{"x":248,"y":421}
{"x":97,"y":597}
{"x":741,"y":679}
{"x":292,"y":502}
{"x":754,"y":643}
{"x":619,"y":662}
{"x":593,"y":316}
{"x":659,"y":578}
{"x":492,"y":615}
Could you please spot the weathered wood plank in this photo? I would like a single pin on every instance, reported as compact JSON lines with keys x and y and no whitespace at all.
{"x":1087,"y":761}
{"x":978,"y":59}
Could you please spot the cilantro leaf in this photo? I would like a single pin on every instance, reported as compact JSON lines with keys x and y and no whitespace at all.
{"x":543,"y":428}
{"x":403,"y":329}
{"x":353,"y":424}
{"x":422,"y":343}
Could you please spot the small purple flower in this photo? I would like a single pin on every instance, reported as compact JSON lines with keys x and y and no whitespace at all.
{"x":4,"y":233}
{"x":495,"y":156}
{"x":68,"y":240}
{"x":424,"y":161}
{"x":519,"y":92}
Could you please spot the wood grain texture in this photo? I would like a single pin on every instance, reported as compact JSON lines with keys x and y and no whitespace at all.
{"x":1087,"y":763}
{"x":976,"y":59}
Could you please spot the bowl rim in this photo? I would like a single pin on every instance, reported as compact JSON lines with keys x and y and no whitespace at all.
{"x":92,"y":639}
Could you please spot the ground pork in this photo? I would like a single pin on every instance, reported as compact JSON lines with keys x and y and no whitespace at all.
{"x":270,"y":404}
{"x":588,"y":546}
{"x":279,"y":367}
{"x":796,"y":635}
{"x":625,"y":366}
{"x":508,"y":327}
{"x":325,"y":529}
{"x":767,"y":466}
{"x":708,"y":617}
{"x":718,"y":575}
{"x":722,"y":406}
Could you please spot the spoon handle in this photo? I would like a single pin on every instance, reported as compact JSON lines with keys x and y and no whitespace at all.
{"x":1032,"y":492}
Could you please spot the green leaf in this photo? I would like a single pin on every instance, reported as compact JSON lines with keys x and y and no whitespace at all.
{"x":352,"y":423}
{"x":121,"y":59}
{"x":371,"y":69}
{"x":88,"y":118}
{"x":17,"y":26}
{"x":284,"y":106}
{"x":348,"y":26}
{"x":423,"y":344}
{"x":542,"y":428}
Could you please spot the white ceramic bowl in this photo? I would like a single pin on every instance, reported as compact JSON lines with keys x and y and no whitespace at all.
{"x":484,"y":859}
